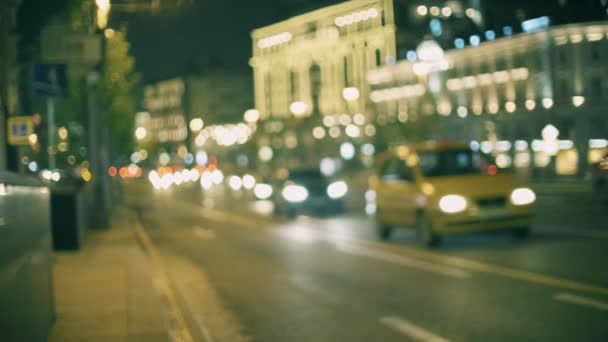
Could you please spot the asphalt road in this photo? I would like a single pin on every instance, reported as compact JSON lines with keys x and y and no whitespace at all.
{"x":330,"y":279}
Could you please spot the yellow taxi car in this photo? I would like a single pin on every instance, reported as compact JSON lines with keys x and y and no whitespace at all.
{"x":444,"y":188}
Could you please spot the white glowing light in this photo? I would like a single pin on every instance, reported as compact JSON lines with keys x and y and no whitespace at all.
{"x":510,"y":106}
{"x":578,"y":101}
{"x":337,"y":189}
{"x":347,"y":151}
{"x":350,"y":93}
{"x":196,"y":124}
{"x":248,"y":182}
{"x":328,"y":166}
{"x":265,"y":153}
{"x":318,"y":132}
{"x":297,"y":108}
{"x":277,"y":39}
{"x":522,"y":196}
{"x":462,"y":111}
{"x":262,"y":191}
{"x":217,"y":176}
{"x":547,"y":102}
{"x":422,"y":10}
{"x":452,"y":204}
{"x":235,"y":183}
{"x":368,"y":149}
{"x":530,"y":104}
{"x":295,"y":193}
{"x":251,"y":116}
{"x":140,"y":133}
{"x":352,"y":131}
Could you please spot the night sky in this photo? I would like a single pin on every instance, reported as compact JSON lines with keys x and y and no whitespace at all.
{"x":209,"y":33}
{"x":203,"y":34}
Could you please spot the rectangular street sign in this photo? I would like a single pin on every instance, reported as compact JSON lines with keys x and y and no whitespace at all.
{"x":19,"y":130}
{"x":50,"y":80}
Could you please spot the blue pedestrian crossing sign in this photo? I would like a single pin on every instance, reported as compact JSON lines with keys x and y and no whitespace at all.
{"x":20,"y":128}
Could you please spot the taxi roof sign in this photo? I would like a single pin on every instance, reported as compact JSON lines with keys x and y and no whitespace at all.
{"x":19,"y":130}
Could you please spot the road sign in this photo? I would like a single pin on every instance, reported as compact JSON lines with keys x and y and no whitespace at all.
{"x":50,"y":80}
{"x":60,"y":45}
{"x":19,"y":130}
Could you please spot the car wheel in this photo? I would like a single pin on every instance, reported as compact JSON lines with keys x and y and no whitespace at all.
{"x":521,"y":233}
{"x":383,"y":230}
{"x":427,"y":235}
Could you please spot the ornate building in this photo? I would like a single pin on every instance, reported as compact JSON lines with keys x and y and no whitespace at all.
{"x":502,"y":93}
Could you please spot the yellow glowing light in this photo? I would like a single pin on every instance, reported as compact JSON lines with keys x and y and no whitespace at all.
{"x":251,"y":116}
{"x":298,"y":108}
{"x":530,"y":104}
{"x":435,"y":10}
{"x":86,"y":175}
{"x":63,"y":133}
{"x":510,"y":106}
{"x":318,"y":132}
{"x":109,"y":33}
{"x":140,"y":133}
{"x":350,"y":93}
{"x":33,"y":138}
{"x":196,"y":124}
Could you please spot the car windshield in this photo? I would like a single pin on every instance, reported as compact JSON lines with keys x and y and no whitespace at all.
{"x":456,"y":162}
{"x":307,"y":176}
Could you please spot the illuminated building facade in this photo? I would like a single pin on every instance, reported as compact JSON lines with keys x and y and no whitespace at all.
{"x":501,"y":93}
{"x":311,"y":59}
{"x":194,"y":113}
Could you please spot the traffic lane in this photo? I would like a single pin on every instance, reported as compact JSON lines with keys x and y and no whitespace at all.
{"x":569,"y":254}
{"x":548,"y":250}
{"x":280,"y":275}
{"x":544,"y":251}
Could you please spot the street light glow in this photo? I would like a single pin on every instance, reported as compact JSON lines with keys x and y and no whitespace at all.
{"x":251,"y":116}
{"x":298,"y":108}
{"x":196,"y":124}
{"x":140,"y":133}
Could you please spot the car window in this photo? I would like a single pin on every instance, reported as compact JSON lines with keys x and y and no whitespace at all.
{"x":395,"y":169}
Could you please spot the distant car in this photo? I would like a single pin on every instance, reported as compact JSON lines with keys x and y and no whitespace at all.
{"x":309,"y":191}
{"x":599,"y":174}
{"x":448,"y":188}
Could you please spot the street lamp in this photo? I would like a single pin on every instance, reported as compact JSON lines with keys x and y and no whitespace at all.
{"x":103,"y":11}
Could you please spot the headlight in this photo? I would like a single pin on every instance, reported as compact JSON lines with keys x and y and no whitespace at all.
{"x":337,"y":189}
{"x":522,"y":196}
{"x":262,"y":191}
{"x":452,"y":204}
{"x":295,"y":193}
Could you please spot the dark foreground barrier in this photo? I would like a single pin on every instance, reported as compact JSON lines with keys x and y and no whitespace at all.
{"x":26,"y":281}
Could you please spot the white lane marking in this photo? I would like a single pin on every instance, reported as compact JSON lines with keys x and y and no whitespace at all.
{"x":202,"y":233}
{"x":411,"y":330}
{"x":580,"y":300}
{"x":403,"y":260}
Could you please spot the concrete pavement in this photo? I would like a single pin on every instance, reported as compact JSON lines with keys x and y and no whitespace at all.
{"x":105,"y":292}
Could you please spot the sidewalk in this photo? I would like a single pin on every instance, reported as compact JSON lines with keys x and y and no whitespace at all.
{"x":104,"y":292}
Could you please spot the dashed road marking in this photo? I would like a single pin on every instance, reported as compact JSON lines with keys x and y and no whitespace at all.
{"x":580,"y":300}
{"x":403,"y":261}
{"x":411,"y":330}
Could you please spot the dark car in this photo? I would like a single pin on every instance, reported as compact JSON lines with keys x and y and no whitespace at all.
{"x":309,"y":191}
